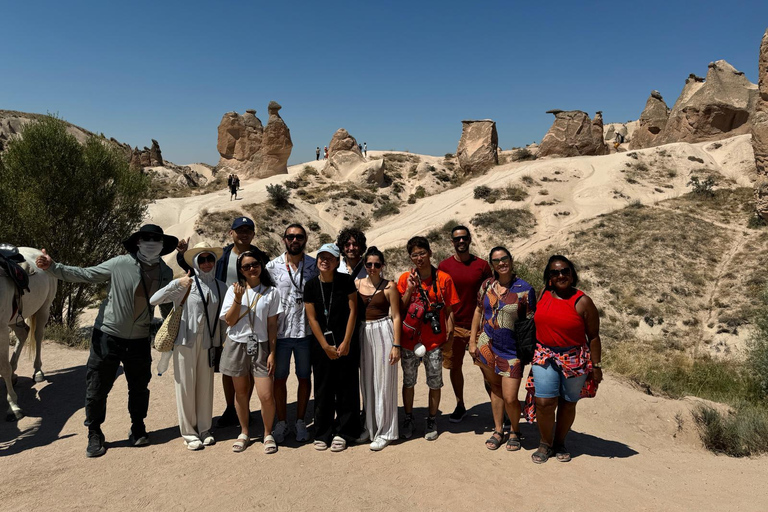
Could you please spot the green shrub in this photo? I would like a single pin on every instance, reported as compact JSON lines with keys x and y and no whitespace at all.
{"x":483,"y":192}
{"x":528,"y":180}
{"x":523,"y":154}
{"x":513,"y":193}
{"x":420,"y":192}
{"x":74,"y":336}
{"x":702,"y":189}
{"x":696,"y":159}
{"x":387,"y":208}
{"x":740,"y":433}
{"x":506,"y":225}
{"x":279,"y":195}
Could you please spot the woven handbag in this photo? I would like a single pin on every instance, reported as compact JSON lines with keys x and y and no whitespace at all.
{"x":166,"y":335}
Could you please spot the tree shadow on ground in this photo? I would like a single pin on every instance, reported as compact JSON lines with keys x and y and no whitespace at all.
{"x":52,"y":405}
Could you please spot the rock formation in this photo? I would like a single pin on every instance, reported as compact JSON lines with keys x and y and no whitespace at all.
{"x":346,"y":161}
{"x":760,"y":132}
{"x":247,"y":146}
{"x":652,"y":122}
{"x":716,"y":108}
{"x":574,"y":134}
{"x":155,"y":156}
{"x":477,"y":150}
{"x":147,"y":157}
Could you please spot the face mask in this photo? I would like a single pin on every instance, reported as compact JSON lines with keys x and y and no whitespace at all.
{"x":149,"y":250}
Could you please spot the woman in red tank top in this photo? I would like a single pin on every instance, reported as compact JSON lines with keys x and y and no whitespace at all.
{"x":567,"y":357}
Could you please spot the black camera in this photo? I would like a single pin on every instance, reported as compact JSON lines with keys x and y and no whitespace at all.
{"x":433,"y":317}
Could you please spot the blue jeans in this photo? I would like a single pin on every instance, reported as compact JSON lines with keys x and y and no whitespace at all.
{"x":550,"y":383}
{"x":299,"y":347}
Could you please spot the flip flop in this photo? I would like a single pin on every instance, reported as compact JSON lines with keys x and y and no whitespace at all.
{"x":513,"y":443}
{"x":561,"y":453}
{"x":240,"y":443}
{"x":270,"y":446}
{"x":494,"y":441}
{"x":338,"y":444}
{"x":541,"y":456}
{"x":321,"y":445}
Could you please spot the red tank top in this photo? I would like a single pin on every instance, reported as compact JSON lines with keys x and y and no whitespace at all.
{"x":557,"y":322}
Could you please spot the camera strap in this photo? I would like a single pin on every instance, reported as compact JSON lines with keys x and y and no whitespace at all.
{"x":435,"y":289}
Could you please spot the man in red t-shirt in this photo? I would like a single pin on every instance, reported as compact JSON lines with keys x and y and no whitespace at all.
{"x":468,"y":273}
{"x":442,"y":297}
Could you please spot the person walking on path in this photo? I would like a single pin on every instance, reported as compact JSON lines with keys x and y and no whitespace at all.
{"x":290,"y":271}
{"x":431,"y":291}
{"x":502,"y":300}
{"x":467,"y":272}
{"x":200,"y":333}
{"x":330,"y":300}
{"x":121,"y":333}
{"x":232,"y":187}
{"x":380,"y":330}
{"x":241,"y":232}
{"x":251,"y":308}
{"x":317,"y":153}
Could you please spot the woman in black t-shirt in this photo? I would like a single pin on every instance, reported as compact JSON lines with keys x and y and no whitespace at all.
{"x":330,"y":301}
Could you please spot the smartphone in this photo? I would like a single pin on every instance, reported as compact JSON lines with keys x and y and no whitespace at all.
{"x":330,"y":338}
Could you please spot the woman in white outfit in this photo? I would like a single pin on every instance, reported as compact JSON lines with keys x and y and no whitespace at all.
{"x":379,"y":350}
{"x":251,"y":307}
{"x":200,"y":331}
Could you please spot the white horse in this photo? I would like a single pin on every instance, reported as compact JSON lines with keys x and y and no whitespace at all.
{"x":36,"y":306}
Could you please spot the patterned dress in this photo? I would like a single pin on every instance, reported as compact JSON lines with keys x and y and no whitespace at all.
{"x":496,"y":344}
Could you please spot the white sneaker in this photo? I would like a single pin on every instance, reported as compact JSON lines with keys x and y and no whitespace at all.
{"x":194,"y":445}
{"x":208,"y":439}
{"x":280,"y":431}
{"x":302,"y":435}
{"x":379,"y":444}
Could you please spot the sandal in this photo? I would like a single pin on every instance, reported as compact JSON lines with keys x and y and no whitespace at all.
{"x":542,"y":454}
{"x":493,"y":442}
{"x":561,"y":453}
{"x":513,"y":443}
{"x":270,"y":446}
{"x":321,"y":445}
{"x":240,"y":443}
{"x":338,"y":444}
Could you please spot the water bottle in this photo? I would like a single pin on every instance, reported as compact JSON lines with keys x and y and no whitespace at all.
{"x":162,"y":365}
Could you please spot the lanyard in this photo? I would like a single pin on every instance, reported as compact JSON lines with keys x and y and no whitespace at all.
{"x":299,"y":270}
{"x":211,"y":332}
{"x":252,"y":307}
{"x":327,"y":309}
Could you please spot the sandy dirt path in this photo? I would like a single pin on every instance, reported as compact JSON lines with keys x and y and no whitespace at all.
{"x":630,"y":453}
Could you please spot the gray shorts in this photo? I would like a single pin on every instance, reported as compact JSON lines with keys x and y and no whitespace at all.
{"x":235,"y":361}
{"x":433,"y":364}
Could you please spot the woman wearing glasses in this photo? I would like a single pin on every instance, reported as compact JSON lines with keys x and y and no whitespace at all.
{"x":568,"y":351}
{"x":502,"y":300}
{"x":379,"y":349}
{"x":250,"y":309}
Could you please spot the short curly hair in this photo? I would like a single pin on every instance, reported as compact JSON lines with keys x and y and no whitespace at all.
{"x":355,"y":233}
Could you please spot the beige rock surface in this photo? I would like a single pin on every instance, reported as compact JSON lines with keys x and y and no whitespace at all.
{"x":346,"y":161}
{"x":572,"y":134}
{"x":651,"y":123}
{"x":478,"y":147}
{"x":760,"y":131}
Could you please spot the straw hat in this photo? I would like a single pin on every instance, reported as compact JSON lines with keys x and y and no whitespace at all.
{"x":191,"y":254}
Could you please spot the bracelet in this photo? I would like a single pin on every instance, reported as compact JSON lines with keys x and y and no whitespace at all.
{"x":599,"y":366}
{"x":396,"y":346}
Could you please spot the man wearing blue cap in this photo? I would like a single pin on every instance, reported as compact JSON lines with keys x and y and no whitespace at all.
{"x":242,"y":232}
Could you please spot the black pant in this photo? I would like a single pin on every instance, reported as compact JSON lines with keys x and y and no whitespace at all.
{"x":337,"y":393}
{"x":107,"y":352}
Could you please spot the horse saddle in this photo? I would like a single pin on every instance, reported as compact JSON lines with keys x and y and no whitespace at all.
{"x":10,"y":265}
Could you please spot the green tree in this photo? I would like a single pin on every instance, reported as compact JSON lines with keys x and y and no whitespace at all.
{"x":79,"y":201}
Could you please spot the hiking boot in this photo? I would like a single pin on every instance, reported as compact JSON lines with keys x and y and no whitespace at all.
{"x":407,"y":429}
{"x":458,"y":413}
{"x":280,"y":431}
{"x":138,"y":436}
{"x":302,"y":435}
{"x":228,"y":418}
{"x":431,"y":432}
{"x":96,"y":446}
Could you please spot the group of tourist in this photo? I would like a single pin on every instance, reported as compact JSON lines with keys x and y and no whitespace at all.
{"x":340,"y":318}
{"x":233,"y":184}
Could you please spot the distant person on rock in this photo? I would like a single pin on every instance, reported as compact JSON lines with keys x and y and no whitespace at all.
{"x":121,"y":333}
{"x":242,"y":232}
{"x":566,"y":363}
{"x":317,"y":153}
{"x":325,"y":155}
{"x":468,"y":272}
{"x":365,"y":149}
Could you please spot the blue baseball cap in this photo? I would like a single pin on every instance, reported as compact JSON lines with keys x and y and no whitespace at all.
{"x":243,"y":221}
{"x":330,"y":248}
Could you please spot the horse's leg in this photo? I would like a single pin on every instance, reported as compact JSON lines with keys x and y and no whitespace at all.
{"x":22,"y":335}
{"x":37,"y":328}
{"x":14,"y":412}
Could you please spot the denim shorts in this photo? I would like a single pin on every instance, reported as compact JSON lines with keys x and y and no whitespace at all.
{"x":299,"y":347}
{"x":550,"y":383}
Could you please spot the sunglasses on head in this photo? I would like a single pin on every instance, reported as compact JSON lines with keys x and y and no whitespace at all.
{"x":463,"y":238}
{"x":565,"y":272}
{"x":151,"y":238}
{"x":206,"y":259}
{"x":372,"y":264}
{"x":503,"y":259}
{"x":250,"y":266}
{"x":290,"y":237}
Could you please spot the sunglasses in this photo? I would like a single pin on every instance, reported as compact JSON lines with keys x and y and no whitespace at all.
{"x":206,"y":259}
{"x":151,"y":238}
{"x":503,"y":259}
{"x":372,"y":264}
{"x":565,"y":272}
{"x":465,"y":238}
{"x":250,"y":266}
{"x":293,"y":237}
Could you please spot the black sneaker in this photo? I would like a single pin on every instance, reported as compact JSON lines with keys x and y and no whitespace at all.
{"x":406,"y":431}
{"x":431,"y":432}
{"x":458,"y":413}
{"x":96,"y":446}
{"x":138,"y":436}
{"x":228,"y":418}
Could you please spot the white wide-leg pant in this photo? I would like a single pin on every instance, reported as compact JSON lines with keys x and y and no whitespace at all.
{"x":378,"y":379}
{"x":194,"y":390}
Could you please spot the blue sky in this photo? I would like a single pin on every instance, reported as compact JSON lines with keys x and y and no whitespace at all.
{"x":398,"y":75}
